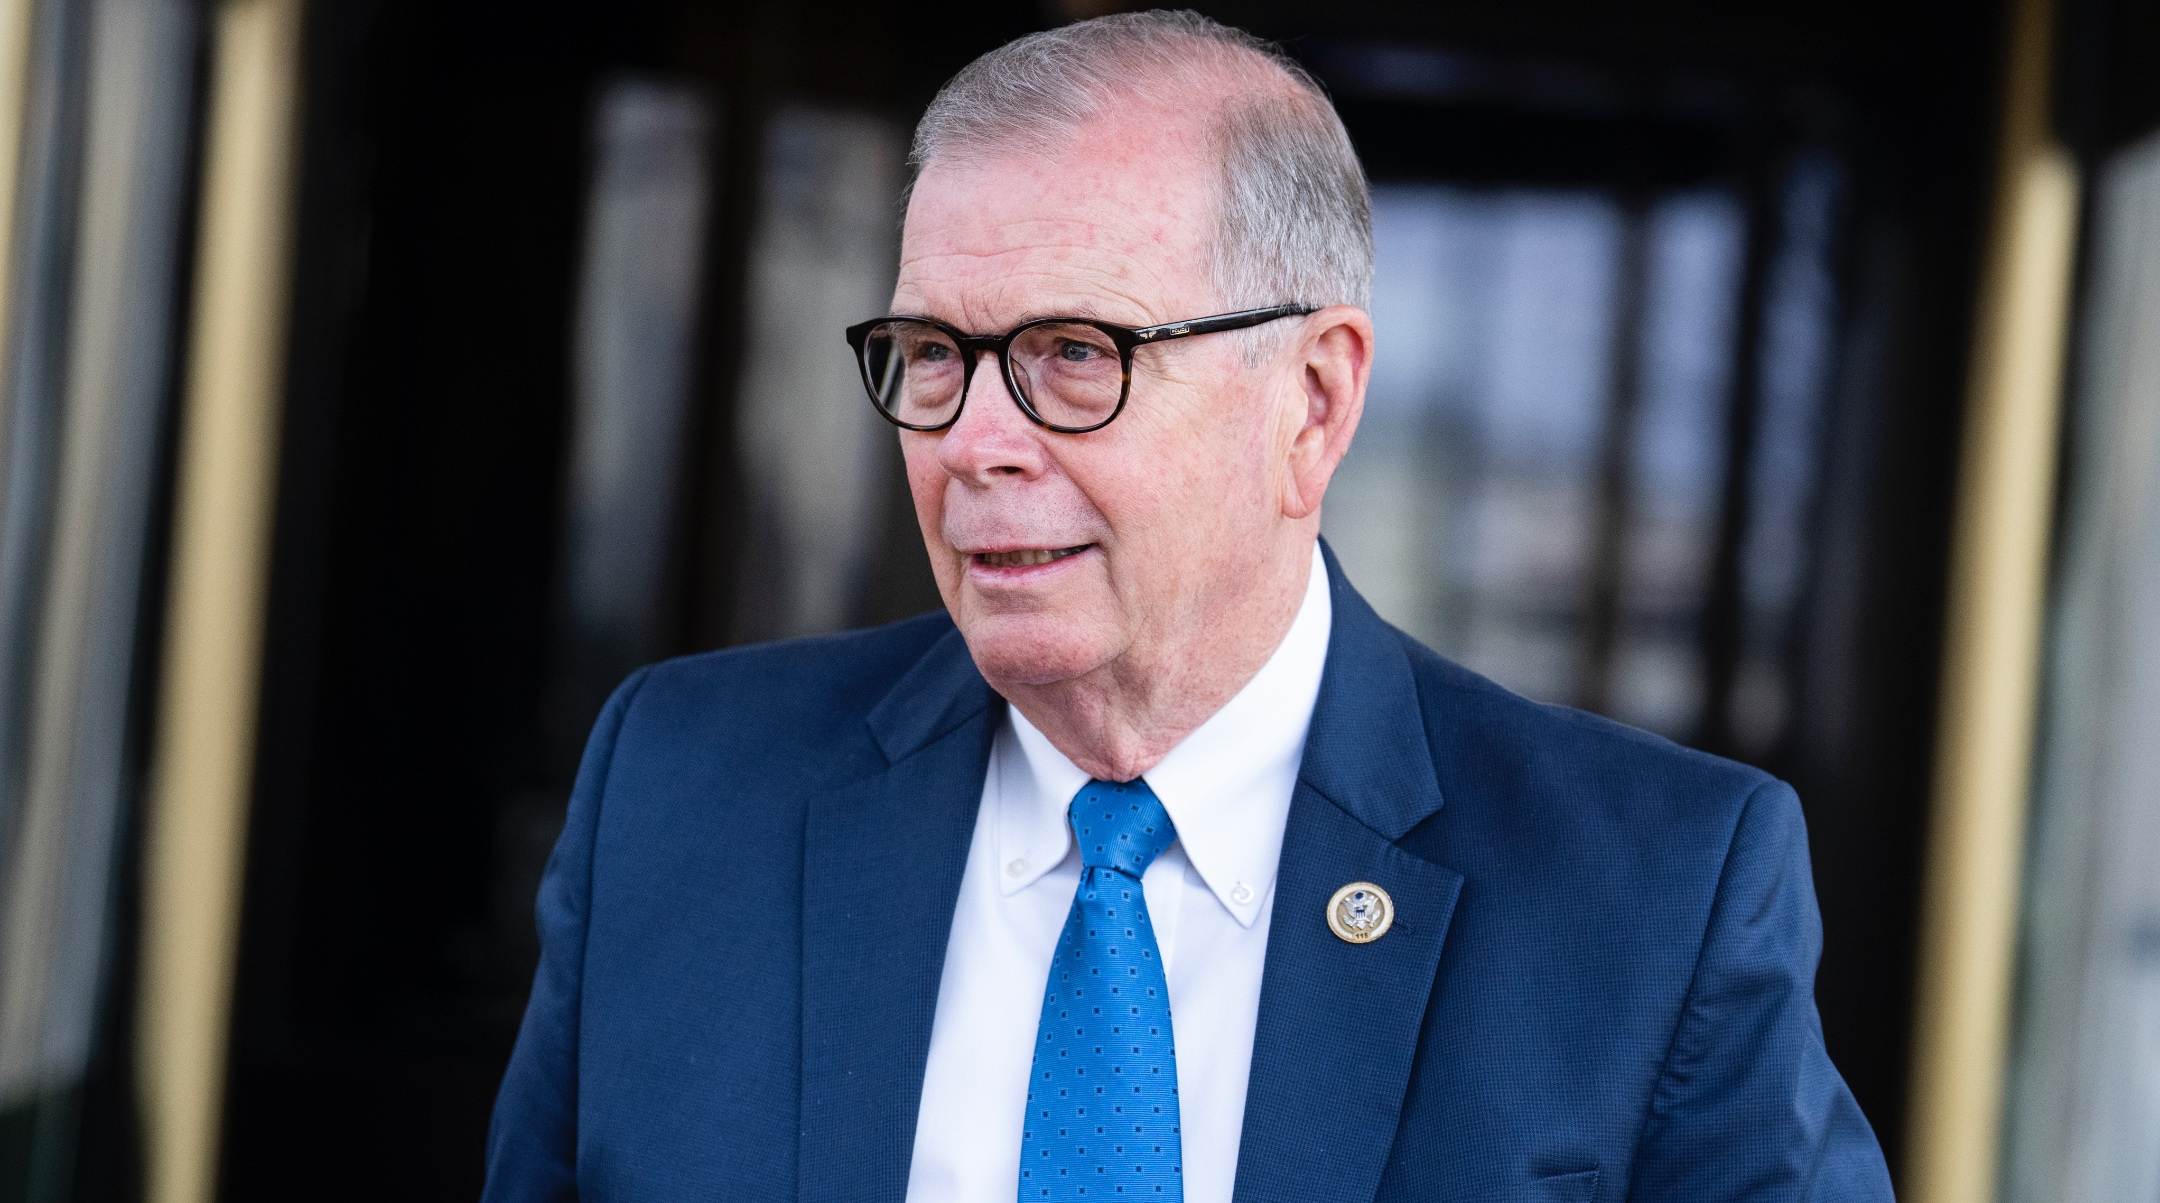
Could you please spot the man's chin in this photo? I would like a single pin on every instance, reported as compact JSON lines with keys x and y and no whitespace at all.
{"x":1033,"y":649}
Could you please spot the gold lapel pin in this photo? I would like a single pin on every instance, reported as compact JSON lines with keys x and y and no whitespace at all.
{"x":1360,"y":912}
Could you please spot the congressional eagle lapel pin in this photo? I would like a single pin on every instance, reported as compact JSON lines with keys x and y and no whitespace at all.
{"x":1360,"y":912}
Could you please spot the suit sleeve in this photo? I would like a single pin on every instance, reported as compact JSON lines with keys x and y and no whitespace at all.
{"x":532,"y":1140}
{"x":1748,"y":1105}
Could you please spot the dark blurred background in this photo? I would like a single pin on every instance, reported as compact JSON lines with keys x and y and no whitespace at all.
{"x":1675,"y":304}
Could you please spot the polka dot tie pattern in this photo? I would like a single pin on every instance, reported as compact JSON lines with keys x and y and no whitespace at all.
{"x":1102,"y":1121}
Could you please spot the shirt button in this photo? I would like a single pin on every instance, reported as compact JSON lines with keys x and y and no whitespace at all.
{"x":1017,"y":867}
{"x":1241,"y":893}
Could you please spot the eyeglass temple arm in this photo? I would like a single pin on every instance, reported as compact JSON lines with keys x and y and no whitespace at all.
{"x":1221,"y":321}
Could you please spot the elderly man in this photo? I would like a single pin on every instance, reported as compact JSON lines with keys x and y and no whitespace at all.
{"x":1157,"y":866}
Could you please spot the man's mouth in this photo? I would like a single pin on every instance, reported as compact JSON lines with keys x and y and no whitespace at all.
{"x":1028,"y":557}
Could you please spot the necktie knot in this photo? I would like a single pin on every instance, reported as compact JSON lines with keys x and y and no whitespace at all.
{"x":1120,"y":826}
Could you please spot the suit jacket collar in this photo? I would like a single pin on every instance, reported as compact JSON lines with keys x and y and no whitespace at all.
{"x":941,"y":692}
{"x":1366,"y":751}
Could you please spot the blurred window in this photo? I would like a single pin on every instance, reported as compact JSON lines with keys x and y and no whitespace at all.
{"x":1540,"y":486}
{"x":815,"y":457}
{"x":1690,"y":320}
{"x":1468,"y":508}
{"x":2084,"y":1122}
{"x":634,"y":342}
{"x":1799,"y":322}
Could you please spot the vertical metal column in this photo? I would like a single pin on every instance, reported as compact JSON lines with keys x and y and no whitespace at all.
{"x":15,"y":27}
{"x":94,"y":420}
{"x":1997,"y":590}
{"x":202,"y":766}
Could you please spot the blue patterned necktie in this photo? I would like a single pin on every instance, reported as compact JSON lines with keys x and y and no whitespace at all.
{"x":1102,"y":1118}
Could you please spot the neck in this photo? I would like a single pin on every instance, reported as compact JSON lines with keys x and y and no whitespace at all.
{"x":1119,"y":720}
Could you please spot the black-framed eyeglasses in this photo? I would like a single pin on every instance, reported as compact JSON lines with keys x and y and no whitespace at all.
{"x":1069,"y":374}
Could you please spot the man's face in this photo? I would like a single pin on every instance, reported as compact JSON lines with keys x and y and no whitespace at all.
{"x":1060,"y":555}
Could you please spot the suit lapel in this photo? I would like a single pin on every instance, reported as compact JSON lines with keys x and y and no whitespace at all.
{"x":1339,"y":1023}
{"x":883,"y":858}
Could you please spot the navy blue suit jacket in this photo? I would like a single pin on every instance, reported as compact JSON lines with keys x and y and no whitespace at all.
{"x":1599,"y":984}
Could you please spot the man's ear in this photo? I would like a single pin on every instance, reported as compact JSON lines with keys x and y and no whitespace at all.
{"x":1334,"y":362}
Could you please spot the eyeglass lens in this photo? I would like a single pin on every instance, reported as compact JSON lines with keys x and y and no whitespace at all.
{"x":1069,"y":373}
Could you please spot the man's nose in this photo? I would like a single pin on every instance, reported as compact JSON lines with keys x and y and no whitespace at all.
{"x":992,"y":437}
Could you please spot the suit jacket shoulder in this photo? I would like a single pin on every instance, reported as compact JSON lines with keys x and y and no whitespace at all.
{"x":764,"y":703}
{"x":1498,"y":742}
{"x":1544,"y":792}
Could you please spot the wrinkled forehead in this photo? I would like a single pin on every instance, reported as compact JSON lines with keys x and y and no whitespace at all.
{"x":1114,"y":220}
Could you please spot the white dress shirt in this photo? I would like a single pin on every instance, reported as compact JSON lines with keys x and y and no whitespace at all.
{"x":1227,"y":788}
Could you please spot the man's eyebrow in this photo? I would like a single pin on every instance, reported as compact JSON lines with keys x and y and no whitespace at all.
{"x":1093,"y":311}
{"x":1083,"y":312}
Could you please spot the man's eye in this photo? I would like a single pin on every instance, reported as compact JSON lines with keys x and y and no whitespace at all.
{"x":1078,"y":352}
{"x":933,"y":353}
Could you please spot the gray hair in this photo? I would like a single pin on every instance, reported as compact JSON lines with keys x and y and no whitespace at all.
{"x":1295,"y":219}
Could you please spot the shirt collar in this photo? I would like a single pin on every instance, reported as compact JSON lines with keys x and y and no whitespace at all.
{"x":1227,"y":786}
